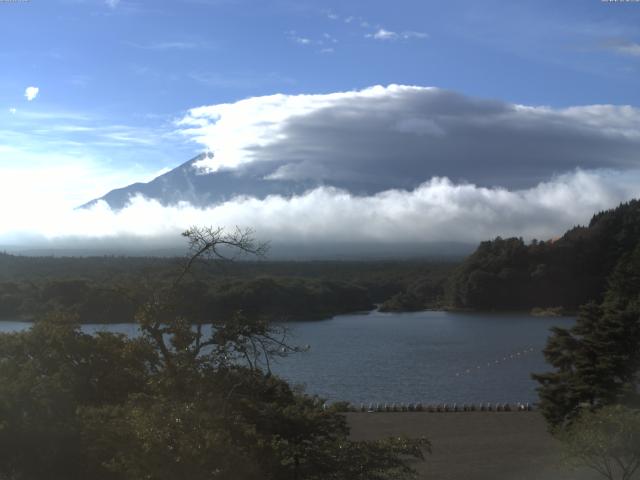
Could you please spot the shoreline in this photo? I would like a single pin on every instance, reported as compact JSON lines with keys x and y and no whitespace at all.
{"x":542,"y":313}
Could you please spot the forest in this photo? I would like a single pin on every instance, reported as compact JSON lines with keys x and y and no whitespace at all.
{"x":559,"y":274}
{"x":110,"y":289}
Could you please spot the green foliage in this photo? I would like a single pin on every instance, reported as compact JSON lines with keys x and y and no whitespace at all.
{"x":597,"y":362}
{"x":289,"y":298}
{"x":180,"y":401}
{"x":568,"y":272}
{"x":607,"y":441}
{"x":46,"y":376}
{"x":267,"y":297}
{"x":75,"y":406}
{"x":111,"y":289}
{"x":403,"y":302}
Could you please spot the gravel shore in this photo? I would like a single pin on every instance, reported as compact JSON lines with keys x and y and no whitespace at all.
{"x":474,"y":445}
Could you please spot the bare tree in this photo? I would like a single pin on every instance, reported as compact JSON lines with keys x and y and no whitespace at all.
{"x":216,"y":243}
{"x":220,"y":342}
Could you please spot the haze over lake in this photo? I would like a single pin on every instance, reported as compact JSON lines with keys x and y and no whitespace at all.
{"x":424,"y":357}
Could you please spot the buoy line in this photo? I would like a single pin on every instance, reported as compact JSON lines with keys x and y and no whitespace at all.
{"x":496,"y":362}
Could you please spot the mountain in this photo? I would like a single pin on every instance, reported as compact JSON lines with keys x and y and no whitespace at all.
{"x":505,"y":274}
{"x":190,"y":183}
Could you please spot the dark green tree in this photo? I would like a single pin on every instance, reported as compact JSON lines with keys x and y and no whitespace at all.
{"x":597,"y":362}
{"x":567,"y":272}
{"x":47,"y":376}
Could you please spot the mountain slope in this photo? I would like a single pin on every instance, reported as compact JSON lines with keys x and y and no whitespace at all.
{"x":507,"y":274}
{"x":188,"y":183}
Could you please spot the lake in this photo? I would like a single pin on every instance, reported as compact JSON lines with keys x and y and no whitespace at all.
{"x":428,"y":357}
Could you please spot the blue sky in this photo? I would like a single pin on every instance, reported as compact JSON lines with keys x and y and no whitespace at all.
{"x":142,"y":63}
{"x":134,"y":59}
{"x":115,"y":76}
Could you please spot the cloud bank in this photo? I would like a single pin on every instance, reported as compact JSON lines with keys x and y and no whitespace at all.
{"x":386,"y":165}
{"x":398,"y":136}
{"x":436,"y":211}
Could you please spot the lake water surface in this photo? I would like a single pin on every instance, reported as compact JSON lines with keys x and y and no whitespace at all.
{"x":424,"y":357}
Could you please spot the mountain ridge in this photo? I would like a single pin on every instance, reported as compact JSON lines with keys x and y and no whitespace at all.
{"x":189,"y":183}
{"x":565,"y":273}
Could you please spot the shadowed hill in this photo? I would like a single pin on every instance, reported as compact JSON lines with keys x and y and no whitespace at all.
{"x":188,"y":183}
{"x":507,"y":274}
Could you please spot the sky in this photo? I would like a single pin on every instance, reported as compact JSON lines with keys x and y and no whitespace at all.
{"x":502,"y":100}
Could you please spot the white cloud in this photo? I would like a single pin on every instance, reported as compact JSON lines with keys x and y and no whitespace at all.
{"x":329,"y":38}
{"x":31,"y":93}
{"x":409,"y":35}
{"x":622,"y":47}
{"x":399,"y":136}
{"x":233,"y":129}
{"x":55,"y":127}
{"x":34,"y":183}
{"x":393,"y":164}
{"x":294,"y":37}
{"x":436,"y":211}
{"x":326,"y":38}
{"x":13,"y":111}
{"x":324,"y":43}
{"x":629,"y":49}
{"x":240,"y":79}
{"x":383,"y":34}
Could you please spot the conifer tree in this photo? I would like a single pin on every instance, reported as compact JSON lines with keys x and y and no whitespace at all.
{"x":597,"y":362}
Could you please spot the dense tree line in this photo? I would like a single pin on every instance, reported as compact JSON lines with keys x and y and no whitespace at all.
{"x":279,"y":299}
{"x":567,"y":272}
{"x":109,"y":289}
{"x":597,"y":362}
{"x":386,"y":274}
{"x":425,"y":292}
{"x":591,"y":399}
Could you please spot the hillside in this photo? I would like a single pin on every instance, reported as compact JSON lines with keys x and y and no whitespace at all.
{"x":188,"y":183}
{"x":505,"y":274}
